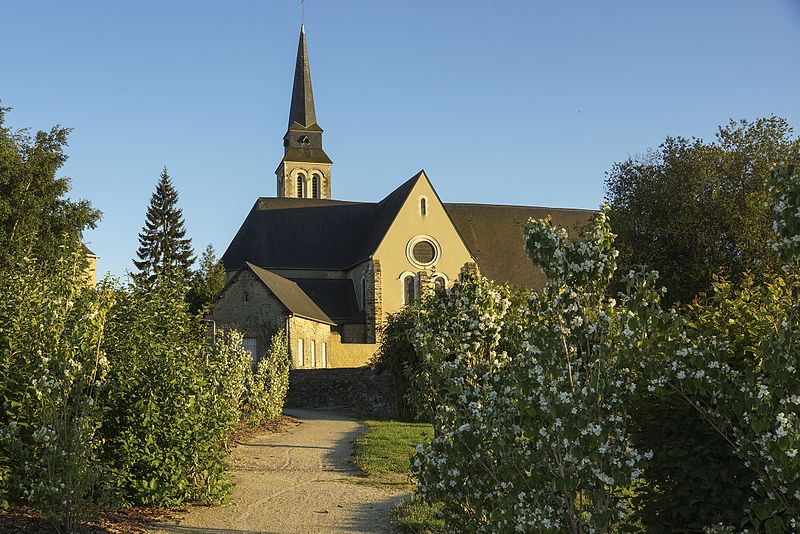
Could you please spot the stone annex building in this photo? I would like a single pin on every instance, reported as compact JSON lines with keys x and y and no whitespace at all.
{"x":330,"y":271}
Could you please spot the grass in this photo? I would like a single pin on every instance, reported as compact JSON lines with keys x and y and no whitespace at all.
{"x":417,"y":517}
{"x":383,"y":453}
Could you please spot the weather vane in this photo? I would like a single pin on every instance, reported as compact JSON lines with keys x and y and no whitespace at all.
{"x":302,"y":12}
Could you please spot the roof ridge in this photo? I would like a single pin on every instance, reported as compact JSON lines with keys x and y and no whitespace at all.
{"x":380,"y":225}
{"x":516,"y":206}
{"x":298,"y":307}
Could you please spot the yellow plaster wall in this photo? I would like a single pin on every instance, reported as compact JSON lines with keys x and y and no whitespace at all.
{"x":308,"y":330}
{"x":91,"y":271}
{"x":409,"y":223}
{"x":351,"y":354}
{"x":339,"y":354}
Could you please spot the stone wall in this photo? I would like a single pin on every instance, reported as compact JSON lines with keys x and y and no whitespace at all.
{"x":378,"y":282}
{"x":359,"y":389}
{"x":250,"y":308}
{"x":369,"y":303}
{"x":353,"y":332}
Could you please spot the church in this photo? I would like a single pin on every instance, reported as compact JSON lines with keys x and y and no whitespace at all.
{"x":328,"y":272}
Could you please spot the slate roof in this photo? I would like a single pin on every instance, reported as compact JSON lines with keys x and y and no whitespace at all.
{"x":302,"y":108}
{"x":291,"y":296}
{"x":87,"y":251}
{"x":494,"y":236}
{"x":298,"y":233}
{"x":306,"y":155}
{"x":336,"y":297}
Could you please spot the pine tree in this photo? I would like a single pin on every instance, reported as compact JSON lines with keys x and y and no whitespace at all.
{"x":164,"y":250}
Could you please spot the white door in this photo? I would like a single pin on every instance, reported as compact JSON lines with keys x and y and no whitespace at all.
{"x":313,"y":353}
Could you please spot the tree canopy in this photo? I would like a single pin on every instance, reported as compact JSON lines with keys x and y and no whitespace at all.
{"x":36,"y":217}
{"x":164,"y":250}
{"x":694,"y":209}
{"x":207,"y":281}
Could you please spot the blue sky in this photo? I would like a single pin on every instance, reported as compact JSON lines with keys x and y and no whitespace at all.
{"x":515,"y":102}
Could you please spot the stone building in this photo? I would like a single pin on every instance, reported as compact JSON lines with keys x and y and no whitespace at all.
{"x":329,"y":272}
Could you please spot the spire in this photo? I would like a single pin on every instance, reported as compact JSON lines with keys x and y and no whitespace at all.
{"x":302,"y":110}
{"x":305,"y":170}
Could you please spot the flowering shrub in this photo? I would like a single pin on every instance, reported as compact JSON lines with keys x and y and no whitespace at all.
{"x":740,"y":357}
{"x":785,"y":191}
{"x":53,"y":369}
{"x":532,"y":402}
{"x":266,"y":386}
{"x":117,"y":386}
{"x":171,"y":402}
{"x":228,"y":367}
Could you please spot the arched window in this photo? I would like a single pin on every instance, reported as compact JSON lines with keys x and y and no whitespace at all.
{"x":438,"y":283}
{"x":300,"y":184}
{"x":315,"y":186}
{"x":409,"y":289}
{"x":363,"y":293}
{"x":423,"y":206}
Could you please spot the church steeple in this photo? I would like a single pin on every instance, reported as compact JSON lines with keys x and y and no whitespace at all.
{"x":305,"y":169}
{"x":302,"y":110}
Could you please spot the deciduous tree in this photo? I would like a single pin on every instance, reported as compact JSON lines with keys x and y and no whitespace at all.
{"x":36,"y":217}
{"x":207,"y":281}
{"x":694,"y":209}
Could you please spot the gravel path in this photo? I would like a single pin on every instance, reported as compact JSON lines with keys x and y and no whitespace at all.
{"x":300,"y":481}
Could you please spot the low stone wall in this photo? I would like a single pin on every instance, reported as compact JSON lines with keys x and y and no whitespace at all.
{"x":357,"y":388}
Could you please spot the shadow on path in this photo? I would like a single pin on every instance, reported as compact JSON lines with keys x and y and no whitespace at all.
{"x":302,"y":481}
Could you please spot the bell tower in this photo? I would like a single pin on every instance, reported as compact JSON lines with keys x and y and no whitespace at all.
{"x":305,"y":170}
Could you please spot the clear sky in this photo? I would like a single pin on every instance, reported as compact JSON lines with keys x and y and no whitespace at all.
{"x":514,"y":102}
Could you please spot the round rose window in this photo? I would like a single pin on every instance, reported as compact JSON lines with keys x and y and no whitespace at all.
{"x":424,"y":252}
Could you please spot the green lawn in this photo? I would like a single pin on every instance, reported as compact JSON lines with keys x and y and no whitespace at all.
{"x":383,"y":453}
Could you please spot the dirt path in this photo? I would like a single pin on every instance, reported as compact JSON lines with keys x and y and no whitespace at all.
{"x":295,"y":482}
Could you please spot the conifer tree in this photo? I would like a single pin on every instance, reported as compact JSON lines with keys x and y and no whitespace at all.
{"x":164,"y":250}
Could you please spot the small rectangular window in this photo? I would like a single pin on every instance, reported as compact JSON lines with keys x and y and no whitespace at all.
{"x":300,"y":354}
{"x":313,"y":353}
{"x":324,"y":355}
